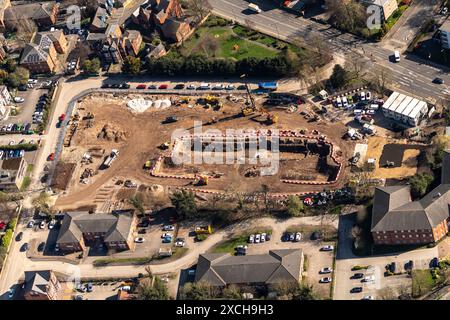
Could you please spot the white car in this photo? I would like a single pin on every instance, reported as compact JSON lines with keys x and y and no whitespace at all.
{"x":179,"y":242}
{"x":125,"y":288}
{"x":51,"y":224}
{"x":367,"y":298}
{"x":19,"y":99}
{"x":166,"y":234}
{"x":263,"y":237}
{"x":42,"y":225}
{"x":230,"y":87}
{"x":168,"y":228}
{"x":251,"y":238}
{"x":362,"y":96}
{"x":218,"y":86}
{"x":30,"y":224}
{"x":368,"y":95}
{"x":369,"y":278}
{"x":190,"y":87}
{"x":325,"y":270}
{"x":32,"y":81}
{"x":12,"y":142}
{"x":298,"y":237}
{"x":325,"y":280}
{"x":327,"y":248}
{"x":139,"y":240}
{"x":258,"y":238}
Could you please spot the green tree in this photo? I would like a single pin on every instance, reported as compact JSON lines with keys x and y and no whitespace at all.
{"x":232,"y":292}
{"x":10,"y":65}
{"x":290,"y":290}
{"x":201,"y":290}
{"x":153,"y":289}
{"x":420,"y":184}
{"x":131,"y":65}
{"x":339,"y":78}
{"x":137,"y":201}
{"x":7,"y":237}
{"x":295,"y":206}
{"x":184,"y":203}
{"x":3,"y":76}
{"x":91,"y":66}
{"x":18,"y":77}
{"x":42,"y":203}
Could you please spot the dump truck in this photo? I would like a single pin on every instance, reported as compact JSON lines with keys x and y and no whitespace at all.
{"x":112,"y":156}
{"x":203,"y":229}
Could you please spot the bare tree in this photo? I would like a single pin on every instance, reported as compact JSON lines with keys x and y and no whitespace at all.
{"x":198,"y":8}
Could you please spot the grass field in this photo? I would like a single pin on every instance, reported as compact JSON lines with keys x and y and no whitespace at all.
{"x":422,"y":282}
{"x":229,"y":246}
{"x":222,"y":42}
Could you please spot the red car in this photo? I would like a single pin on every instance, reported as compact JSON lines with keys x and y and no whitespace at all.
{"x":163,"y":86}
{"x":141,"y":86}
{"x":51,"y":156}
{"x":62,"y":117}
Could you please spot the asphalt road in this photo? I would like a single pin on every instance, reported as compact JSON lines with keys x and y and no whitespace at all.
{"x":411,"y":75}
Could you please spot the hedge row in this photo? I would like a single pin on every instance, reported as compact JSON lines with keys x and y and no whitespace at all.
{"x":22,"y":146}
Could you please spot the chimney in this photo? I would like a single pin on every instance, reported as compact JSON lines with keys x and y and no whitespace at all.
{"x":445,"y":175}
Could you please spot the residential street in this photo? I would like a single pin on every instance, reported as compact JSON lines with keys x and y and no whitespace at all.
{"x":411,"y":75}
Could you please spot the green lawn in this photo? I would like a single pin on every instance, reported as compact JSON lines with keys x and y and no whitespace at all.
{"x":220,"y":42}
{"x":229,"y":246}
{"x":422,"y":282}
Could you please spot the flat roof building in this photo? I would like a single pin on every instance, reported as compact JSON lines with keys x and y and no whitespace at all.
{"x":405,"y":109}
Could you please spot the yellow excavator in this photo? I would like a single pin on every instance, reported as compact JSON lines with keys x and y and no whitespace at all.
{"x":201,"y":180}
{"x":251,"y":108}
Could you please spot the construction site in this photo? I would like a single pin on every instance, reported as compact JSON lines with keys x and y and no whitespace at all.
{"x":118,"y":143}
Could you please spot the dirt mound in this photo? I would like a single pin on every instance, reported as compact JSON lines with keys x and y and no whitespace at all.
{"x":112,"y":133}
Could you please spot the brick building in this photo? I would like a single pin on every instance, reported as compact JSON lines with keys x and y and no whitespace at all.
{"x":397,"y":220}
{"x":41,"y":285}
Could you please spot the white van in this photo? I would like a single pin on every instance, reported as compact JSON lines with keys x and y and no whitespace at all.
{"x":397,"y":56}
{"x":344,"y":102}
{"x":339,"y":102}
{"x":373,"y":107}
{"x":362,"y":96}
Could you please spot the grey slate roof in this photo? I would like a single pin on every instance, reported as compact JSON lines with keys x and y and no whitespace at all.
{"x":37,"y":281}
{"x":393,"y":209}
{"x":221,"y":269}
{"x":115,"y":226}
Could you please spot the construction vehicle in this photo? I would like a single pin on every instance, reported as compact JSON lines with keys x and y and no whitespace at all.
{"x":164,"y":146}
{"x":112,"y":156}
{"x":201,"y":180}
{"x":148,"y":165}
{"x":212,"y":100}
{"x":203,"y":229}
{"x":271,"y":119}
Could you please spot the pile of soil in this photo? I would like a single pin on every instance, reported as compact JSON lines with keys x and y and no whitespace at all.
{"x":111,"y":133}
{"x":63,"y":175}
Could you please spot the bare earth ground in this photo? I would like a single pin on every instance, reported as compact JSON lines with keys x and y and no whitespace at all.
{"x":141,"y":134}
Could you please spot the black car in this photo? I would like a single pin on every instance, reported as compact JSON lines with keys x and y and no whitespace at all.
{"x":241,"y":87}
{"x":142,"y":231}
{"x":23,"y":87}
{"x":438,"y":81}
{"x":19,"y":236}
{"x":179,"y":86}
{"x":356,"y":290}
{"x":152,"y":87}
{"x":170,"y":119}
{"x":105,"y":86}
{"x":434,"y":263}
{"x":268,"y":237}
{"x":124,"y":86}
{"x":27,"y":127}
{"x":24,"y":247}
{"x":286,"y":237}
{"x":41,"y":247}
{"x":358,"y":276}
{"x":392,"y":266}
{"x":115,"y":86}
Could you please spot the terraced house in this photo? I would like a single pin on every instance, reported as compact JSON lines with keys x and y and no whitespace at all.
{"x":82,"y":229}
{"x":398,"y":220}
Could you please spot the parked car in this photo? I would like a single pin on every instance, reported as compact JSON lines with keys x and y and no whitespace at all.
{"x":268,"y":237}
{"x":166,"y":234}
{"x":42,"y":225}
{"x":30,"y":224}
{"x":81,"y":288}
{"x":19,"y":236}
{"x":41,"y":247}
{"x":263,"y":237}
{"x":326,"y":270}
{"x":142,"y":231}
{"x":291,"y":236}
{"x":90,"y":287}
{"x":230,"y":87}
{"x":170,"y":119}
{"x":190,"y":87}
{"x":251,"y":238}
{"x":23,"y":87}
{"x":434,"y":263}
{"x":163,"y":87}
{"x":24,"y":247}
{"x":167,"y":240}
{"x":179,"y":86}
{"x":369,"y":278}
{"x":168,"y":227}
{"x":325,"y":280}
{"x":179,"y":242}
{"x":367,"y":298}
{"x":10,"y":293}
{"x":358,"y":276}
{"x":105,"y":86}
{"x":139,"y":240}
{"x":124,"y":86}
{"x":152,"y":87}
{"x":286,"y":236}
{"x":298,"y":236}
{"x":327,"y":248}
{"x":356,"y":290}
{"x":19,"y":99}
{"x":51,"y":156}
{"x":257,"y":238}
{"x":218,"y":86}
{"x":52,"y":224}
{"x":438,"y":80}
{"x":141,"y":86}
